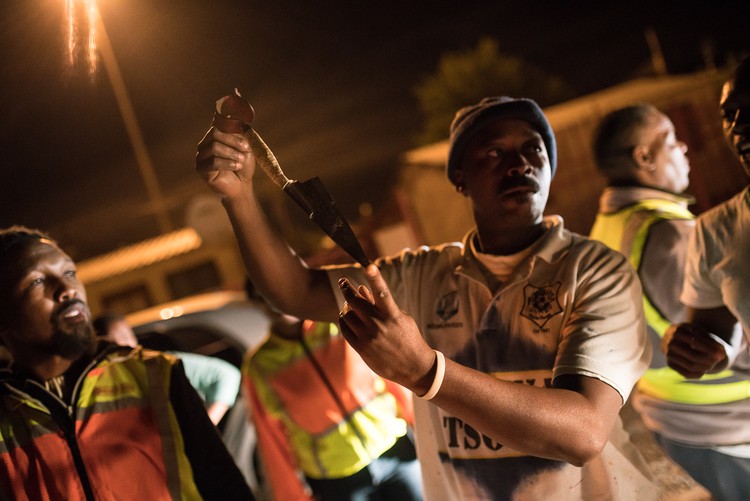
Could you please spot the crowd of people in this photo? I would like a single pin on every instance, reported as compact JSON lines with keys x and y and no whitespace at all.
{"x":703,"y":424}
{"x":492,"y":368}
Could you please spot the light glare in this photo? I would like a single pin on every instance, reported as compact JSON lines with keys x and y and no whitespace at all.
{"x":73,"y":30}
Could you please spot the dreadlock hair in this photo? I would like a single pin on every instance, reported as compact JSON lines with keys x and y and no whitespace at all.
{"x":17,"y":238}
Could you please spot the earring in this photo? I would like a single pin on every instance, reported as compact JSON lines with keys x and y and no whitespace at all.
{"x":460,"y":188}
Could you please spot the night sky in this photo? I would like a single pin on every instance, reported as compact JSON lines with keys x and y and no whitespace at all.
{"x":331,"y":82}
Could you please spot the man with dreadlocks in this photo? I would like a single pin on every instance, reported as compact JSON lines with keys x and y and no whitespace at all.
{"x":81,"y":420}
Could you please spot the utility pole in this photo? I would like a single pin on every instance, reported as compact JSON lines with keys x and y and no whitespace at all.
{"x":131,"y":125}
{"x":657,"y":57}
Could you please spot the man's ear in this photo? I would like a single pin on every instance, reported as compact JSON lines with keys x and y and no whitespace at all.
{"x":642,"y":157}
{"x":459,"y":182}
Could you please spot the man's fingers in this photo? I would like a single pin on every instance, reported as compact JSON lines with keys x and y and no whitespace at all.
{"x":380,"y":292}
{"x":368,"y":304}
{"x":707,"y":346}
{"x":358,"y":310}
{"x":666,"y":339}
{"x":231,"y":139}
{"x":360,"y":298}
{"x":219,"y":145}
{"x":365,"y":293}
{"x":696,"y":345}
{"x":688,"y":374}
{"x":684,"y":368}
{"x":215,"y":164}
{"x":689,"y":361}
{"x":350,"y":317}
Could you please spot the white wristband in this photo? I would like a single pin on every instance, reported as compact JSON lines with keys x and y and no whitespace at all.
{"x":439,"y":375}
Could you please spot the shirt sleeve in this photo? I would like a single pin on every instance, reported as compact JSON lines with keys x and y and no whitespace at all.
{"x":216,"y":380}
{"x":698,"y":288}
{"x":214,"y":471}
{"x":605,"y":335}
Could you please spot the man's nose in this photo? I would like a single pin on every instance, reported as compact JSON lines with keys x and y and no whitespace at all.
{"x":65,"y":291}
{"x":517,"y":164}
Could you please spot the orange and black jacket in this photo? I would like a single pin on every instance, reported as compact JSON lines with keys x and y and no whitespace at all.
{"x":134,"y":428}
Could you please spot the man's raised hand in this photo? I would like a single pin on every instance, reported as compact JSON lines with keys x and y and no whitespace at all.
{"x":387,"y":339}
{"x":224,"y":162}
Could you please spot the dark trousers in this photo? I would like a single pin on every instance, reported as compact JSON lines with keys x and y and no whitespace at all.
{"x":394,"y":476}
{"x":726,"y":477}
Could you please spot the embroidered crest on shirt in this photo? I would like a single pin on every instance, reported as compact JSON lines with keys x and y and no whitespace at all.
{"x":541,"y":303}
{"x":448,"y":305}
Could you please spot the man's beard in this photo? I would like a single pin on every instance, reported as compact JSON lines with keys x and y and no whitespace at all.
{"x":71,"y":341}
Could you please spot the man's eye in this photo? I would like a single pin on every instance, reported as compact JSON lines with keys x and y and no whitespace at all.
{"x":70,"y":273}
{"x":495,"y":153}
{"x":37,"y":281}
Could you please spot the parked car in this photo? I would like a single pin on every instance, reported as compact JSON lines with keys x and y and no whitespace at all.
{"x":219,"y":324}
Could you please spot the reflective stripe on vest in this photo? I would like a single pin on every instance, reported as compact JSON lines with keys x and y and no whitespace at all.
{"x":325,"y":442}
{"x":626,"y":231}
{"x":128,"y":394}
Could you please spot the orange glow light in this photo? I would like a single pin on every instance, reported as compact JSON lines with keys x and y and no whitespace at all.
{"x":72,"y":14}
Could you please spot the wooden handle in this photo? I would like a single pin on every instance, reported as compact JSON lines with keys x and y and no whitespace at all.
{"x":235,"y":115}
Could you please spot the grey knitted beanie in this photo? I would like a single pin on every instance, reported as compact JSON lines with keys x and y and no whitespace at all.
{"x":470,"y":119}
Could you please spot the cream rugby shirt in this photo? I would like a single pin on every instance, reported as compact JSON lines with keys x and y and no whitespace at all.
{"x":572,"y":306}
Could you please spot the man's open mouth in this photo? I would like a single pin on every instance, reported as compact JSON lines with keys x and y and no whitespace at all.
{"x":74,"y":311}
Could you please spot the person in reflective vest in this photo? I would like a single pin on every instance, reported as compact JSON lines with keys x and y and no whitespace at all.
{"x":88,"y":420}
{"x":701,"y":423}
{"x":328,"y":427}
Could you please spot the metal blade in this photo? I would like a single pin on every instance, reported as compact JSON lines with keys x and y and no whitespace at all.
{"x":313,"y":197}
{"x":235,"y":115}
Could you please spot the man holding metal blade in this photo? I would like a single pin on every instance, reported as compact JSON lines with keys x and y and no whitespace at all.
{"x":522,"y":342}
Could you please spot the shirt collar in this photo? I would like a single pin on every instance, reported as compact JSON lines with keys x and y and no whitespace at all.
{"x":548,"y":247}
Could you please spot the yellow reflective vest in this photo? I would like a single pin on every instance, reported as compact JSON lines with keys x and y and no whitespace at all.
{"x":318,"y":407}
{"x":119,"y":439}
{"x":626,"y":231}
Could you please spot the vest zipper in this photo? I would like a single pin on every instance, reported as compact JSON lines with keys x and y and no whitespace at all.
{"x":64,"y":416}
